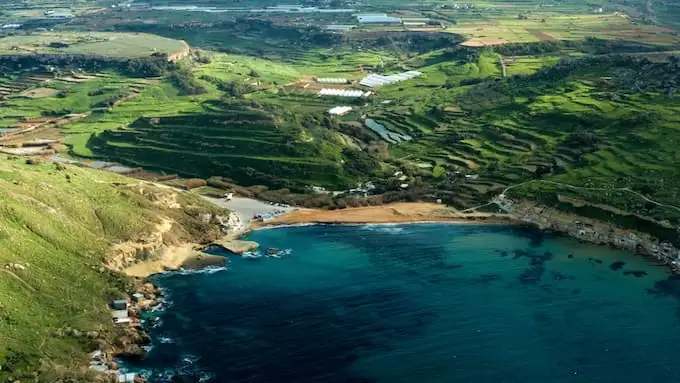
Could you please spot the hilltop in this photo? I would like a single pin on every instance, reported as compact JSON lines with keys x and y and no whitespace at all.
{"x":104,"y":44}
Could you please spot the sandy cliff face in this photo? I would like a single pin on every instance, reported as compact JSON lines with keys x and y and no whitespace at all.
{"x":123,"y":255}
{"x":170,"y":243}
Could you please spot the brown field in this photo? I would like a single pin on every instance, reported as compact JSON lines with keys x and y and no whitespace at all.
{"x":539,"y":34}
{"x":39,"y":93}
{"x":483,"y":42}
{"x":35,"y":122}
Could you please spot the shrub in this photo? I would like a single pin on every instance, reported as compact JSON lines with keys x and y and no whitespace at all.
{"x":195,"y":183}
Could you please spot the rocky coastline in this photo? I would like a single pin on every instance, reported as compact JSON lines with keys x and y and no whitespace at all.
{"x":592,"y":231}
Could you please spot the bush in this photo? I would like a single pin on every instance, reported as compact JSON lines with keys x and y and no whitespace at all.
{"x":183,"y":79}
{"x":195,"y":183}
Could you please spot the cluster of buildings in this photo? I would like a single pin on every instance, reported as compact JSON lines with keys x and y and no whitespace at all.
{"x":370,"y":81}
{"x":376,"y":80}
{"x":119,"y":310}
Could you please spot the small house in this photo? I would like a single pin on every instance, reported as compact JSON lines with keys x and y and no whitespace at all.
{"x":122,"y":320}
{"x":119,"y":304}
{"x":137,"y":297}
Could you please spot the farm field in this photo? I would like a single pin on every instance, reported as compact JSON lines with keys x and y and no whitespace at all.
{"x":118,"y":45}
{"x":550,"y":26}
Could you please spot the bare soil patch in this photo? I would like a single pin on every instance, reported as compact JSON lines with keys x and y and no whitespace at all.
{"x":539,"y":34}
{"x":39,"y":93}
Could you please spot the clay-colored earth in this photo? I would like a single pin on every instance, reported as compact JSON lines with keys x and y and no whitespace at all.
{"x":392,"y":213}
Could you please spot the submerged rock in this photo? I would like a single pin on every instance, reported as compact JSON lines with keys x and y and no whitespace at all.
{"x":617,"y":265}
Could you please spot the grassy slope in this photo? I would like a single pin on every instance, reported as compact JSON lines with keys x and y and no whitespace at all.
{"x":59,"y":231}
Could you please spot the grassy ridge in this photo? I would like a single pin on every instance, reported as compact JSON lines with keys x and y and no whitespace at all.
{"x":107,"y":44}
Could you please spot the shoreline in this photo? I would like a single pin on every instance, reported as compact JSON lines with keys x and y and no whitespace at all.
{"x":173,"y":258}
{"x":395,"y":213}
{"x":185,"y":255}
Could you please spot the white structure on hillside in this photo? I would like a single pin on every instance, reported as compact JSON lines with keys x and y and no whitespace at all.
{"x":339,"y":27}
{"x":339,"y":110}
{"x":377,"y":18}
{"x":332,"y":80}
{"x":342,"y":92}
{"x":376,"y":80}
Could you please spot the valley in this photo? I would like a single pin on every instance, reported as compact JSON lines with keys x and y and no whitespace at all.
{"x":561,"y":106}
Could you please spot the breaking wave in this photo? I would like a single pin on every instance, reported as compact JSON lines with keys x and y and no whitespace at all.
{"x":383,"y":228}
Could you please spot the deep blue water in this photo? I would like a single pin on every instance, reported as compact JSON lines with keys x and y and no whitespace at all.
{"x":421,"y":303}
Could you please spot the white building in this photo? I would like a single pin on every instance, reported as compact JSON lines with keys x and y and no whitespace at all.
{"x":341,"y":92}
{"x":332,"y":80}
{"x":377,"y":18}
{"x":376,"y":80}
{"x":339,"y":110}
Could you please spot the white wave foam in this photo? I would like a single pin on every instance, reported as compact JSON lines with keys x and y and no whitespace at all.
{"x":166,"y":340}
{"x":383,"y":228}
{"x":251,"y":254}
{"x":280,"y":253}
{"x":205,"y":270}
{"x":190,"y":359}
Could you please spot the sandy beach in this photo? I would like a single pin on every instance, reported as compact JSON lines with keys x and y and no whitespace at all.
{"x":404,"y":212}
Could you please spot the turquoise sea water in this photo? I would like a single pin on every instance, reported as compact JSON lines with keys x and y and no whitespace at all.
{"x":421,"y":303}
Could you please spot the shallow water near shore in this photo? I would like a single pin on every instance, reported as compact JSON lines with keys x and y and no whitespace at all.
{"x":420,"y":303}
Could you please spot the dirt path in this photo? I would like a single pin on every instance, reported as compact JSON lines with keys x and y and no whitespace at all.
{"x":568,"y":186}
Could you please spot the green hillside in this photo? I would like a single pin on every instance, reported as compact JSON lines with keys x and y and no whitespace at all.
{"x":56,"y":225}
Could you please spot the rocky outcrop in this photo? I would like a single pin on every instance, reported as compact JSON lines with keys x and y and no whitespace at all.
{"x":236,"y":246}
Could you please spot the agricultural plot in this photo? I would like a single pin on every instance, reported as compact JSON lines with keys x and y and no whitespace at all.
{"x":241,"y":143}
{"x":551,"y":26}
{"x":117,"y":45}
{"x":56,"y":97}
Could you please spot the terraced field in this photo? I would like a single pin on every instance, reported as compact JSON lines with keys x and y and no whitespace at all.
{"x":241,"y":143}
{"x":79,"y":93}
{"x":587,"y":127}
